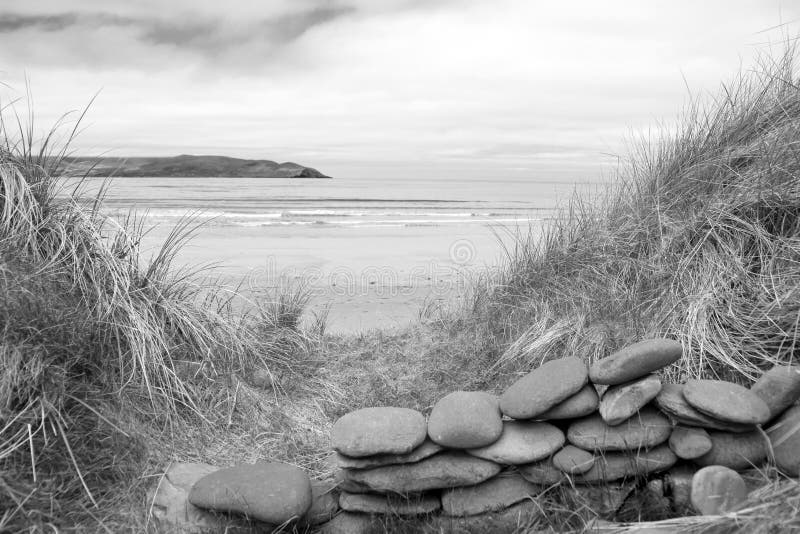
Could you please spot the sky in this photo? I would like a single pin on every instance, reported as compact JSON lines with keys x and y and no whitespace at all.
{"x":522,"y":88}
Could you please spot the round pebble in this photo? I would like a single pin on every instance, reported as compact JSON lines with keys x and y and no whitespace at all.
{"x":381,"y":430}
{"x":717,"y":489}
{"x":573,"y":460}
{"x":635,"y":361}
{"x":779,"y":388}
{"x":543,"y":388}
{"x":465,"y":419}
{"x":689,"y":442}
{"x":726,"y":401}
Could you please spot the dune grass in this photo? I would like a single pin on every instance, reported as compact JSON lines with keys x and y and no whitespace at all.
{"x":113,"y":365}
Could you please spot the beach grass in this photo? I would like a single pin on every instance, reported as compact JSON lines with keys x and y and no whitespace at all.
{"x":113,"y":365}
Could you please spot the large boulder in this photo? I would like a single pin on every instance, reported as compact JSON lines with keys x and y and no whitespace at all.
{"x":784,"y":436}
{"x":381,"y":430}
{"x":717,"y":490}
{"x":170,"y":509}
{"x":726,"y":401}
{"x":620,"y":402}
{"x":581,"y":404}
{"x":646,"y":429}
{"x":736,"y":451}
{"x":465,"y":419}
{"x":428,"y":448}
{"x":265,"y":491}
{"x":671,"y":401}
{"x":492,"y":495}
{"x":369,"y":503}
{"x":443,"y":470}
{"x":628,"y":464}
{"x":522,"y":442}
{"x":543,"y":388}
{"x":635,"y":361}
{"x":779,"y":388}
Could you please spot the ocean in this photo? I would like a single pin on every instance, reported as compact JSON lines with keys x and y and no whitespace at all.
{"x":373,"y":252}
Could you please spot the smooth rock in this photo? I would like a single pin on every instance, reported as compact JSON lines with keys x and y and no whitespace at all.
{"x":465,"y":419}
{"x":671,"y":401}
{"x":717,"y":489}
{"x":689,"y":442}
{"x":168,"y":501}
{"x":324,"y":503}
{"x":619,"y":403}
{"x":581,"y":404}
{"x":382,"y":430}
{"x":443,"y":470}
{"x":628,"y":464}
{"x":495,"y":494}
{"x":266,"y":491}
{"x":543,"y":473}
{"x":646,"y":429}
{"x":543,"y":388}
{"x":726,"y":401}
{"x":737,"y":451}
{"x":522,"y":442}
{"x":779,"y":388}
{"x":350,"y":523}
{"x":370,"y":503}
{"x":428,"y":448}
{"x":784,"y":436}
{"x":573,"y":460}
{"x":516,"y":518}
{"x":635,"y":361}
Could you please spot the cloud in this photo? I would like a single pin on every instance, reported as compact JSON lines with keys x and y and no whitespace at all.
{"x":11,"y":22}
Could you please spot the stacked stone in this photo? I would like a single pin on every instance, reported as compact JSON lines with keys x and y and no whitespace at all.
{"x":610,"y":424}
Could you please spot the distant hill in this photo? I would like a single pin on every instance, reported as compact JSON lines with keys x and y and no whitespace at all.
{"x":185,"y":165}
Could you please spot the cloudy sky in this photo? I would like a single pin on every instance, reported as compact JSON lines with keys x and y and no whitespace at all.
{"x":379,"y":87}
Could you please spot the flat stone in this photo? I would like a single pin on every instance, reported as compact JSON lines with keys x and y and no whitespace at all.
{"x":543,"y":388}
{"x":522,"y":442}
{"x":465,"y":419}
{"x":726,"y":401}
{"x":635,"y":361}
{"x":382,"y":430}
{"x":736,"y":451}
{"x":428,"y":448}
{"x":370,"y":503}
{"x":573,"y":460}
{"x":779,"y":388}
{"x":581,"y":404}
{"x":784,"y":437}
{"x":689,"y":442}
{"x":513,"y":519}
{"x":543,"y":473}
{"x":646,"y":429}
{"x":619,"y":403}
{"x":671,"y":401}
{"x":617,"y":465}
{"x":351,"y":523}
{"x":170,"y":509}
{"x":717,"y":489}
{"x":495,"y":494}
{"x":324,"y":503}
{"x":265,"y":491}
{"x":443,"y":470}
